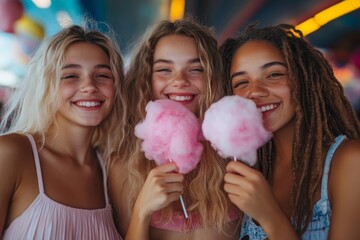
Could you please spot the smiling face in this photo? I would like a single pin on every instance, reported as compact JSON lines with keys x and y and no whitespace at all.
{"x":86,"y":86}
{"x":177,"y":73}
{"x":259,"y":72}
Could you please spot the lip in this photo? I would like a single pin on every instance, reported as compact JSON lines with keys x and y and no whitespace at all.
{"x":183,"y":98}
{"x":267,"y":109}
{"x":88,"y":104}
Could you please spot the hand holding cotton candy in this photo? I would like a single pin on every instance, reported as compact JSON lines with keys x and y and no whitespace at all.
{"x":170,"y":132}
{"x":234,"y":127}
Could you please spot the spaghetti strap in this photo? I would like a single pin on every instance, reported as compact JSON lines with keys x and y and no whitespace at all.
{"x":37,"y":163}
{"x":104,"y":177}
{"x":329,"y":156}
{"x":48,"y":219}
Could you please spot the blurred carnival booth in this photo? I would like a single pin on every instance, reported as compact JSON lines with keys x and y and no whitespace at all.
{"x":24,"y":23}
{"x":20,"y":36}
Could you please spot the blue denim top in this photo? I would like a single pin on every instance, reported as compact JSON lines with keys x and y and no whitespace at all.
{"x":318,"y":227}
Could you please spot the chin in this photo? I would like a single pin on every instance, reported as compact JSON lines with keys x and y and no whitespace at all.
{"x":192,"y":109}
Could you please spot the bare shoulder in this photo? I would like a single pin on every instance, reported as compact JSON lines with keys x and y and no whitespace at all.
{"x":14,"y":149}
{"x":14,"y":158}
{"x":17,"y":176}
{"x":345,"y":167}
{"x":344,"y":191}
{"x":347,"y":154}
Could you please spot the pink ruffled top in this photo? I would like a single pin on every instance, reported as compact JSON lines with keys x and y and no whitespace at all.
{"x":48,"y":219}
{"x":178,"y":222}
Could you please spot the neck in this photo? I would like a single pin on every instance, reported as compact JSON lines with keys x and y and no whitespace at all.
{"x":283,"y":140}
{"x":71,"y":141}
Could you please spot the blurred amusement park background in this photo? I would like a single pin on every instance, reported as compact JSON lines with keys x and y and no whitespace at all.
{"x":332,"y":26}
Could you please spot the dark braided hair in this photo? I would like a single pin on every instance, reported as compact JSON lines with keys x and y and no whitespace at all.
{"x":322,"y":111}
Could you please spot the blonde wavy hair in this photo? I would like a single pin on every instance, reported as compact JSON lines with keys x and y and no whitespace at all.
{"x":31,"y":108}
{"x":204,"y":186}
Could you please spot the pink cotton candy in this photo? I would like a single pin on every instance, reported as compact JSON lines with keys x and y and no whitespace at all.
{"x":234,"y":127}
{"x":170,"y":132}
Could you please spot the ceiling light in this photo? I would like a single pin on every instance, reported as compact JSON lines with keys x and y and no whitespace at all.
{"x":327,"y":15}
{"x":177,"y":9}
{"x":42,"y":3}
{"x":64,"y":19}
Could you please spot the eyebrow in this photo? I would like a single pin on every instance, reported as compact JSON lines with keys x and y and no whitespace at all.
{"x":266,"y":65}
{"x":161,"y":60}
{"x":67,"y":66}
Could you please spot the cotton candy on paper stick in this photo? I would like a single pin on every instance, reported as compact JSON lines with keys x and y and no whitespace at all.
{"x":234,"y":127}
{"x":170,"y":132}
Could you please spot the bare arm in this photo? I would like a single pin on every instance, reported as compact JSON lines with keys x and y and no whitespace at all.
{"x":161,"y":187}
{"x":250,"y":192}
{"x":344,"y":191}
{"x":9,"y":169}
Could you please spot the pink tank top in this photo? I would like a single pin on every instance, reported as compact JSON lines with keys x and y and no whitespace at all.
{"x":178,"y":223}
{"x":48,"y":219}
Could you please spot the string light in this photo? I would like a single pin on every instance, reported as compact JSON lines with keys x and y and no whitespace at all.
{"x":328,"y":15}
{"x":177,"y":9}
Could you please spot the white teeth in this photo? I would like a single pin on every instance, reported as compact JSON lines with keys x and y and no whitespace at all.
{"x":88,"y":104}
{"x":180,"y":98}
{"x":267,"y":107}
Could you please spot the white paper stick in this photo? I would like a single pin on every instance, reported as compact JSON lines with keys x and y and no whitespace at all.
{"x":235,"y":159}
{"x":183,"y":203}
{"x":183,"y":206}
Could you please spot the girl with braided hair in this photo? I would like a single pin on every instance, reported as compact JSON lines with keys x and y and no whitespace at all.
{"x":305,"y":184}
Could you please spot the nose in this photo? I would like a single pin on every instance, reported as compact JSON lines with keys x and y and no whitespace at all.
{"x":88,"y":84}
{"x":257,"y":90}
{"x":180,"y":80}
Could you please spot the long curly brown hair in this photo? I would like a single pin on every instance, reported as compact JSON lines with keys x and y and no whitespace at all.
{"x":204,"y":192}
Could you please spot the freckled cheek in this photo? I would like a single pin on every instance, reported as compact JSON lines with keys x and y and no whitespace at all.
{"x":158,"y":79}
{"x":108,"y":87}
{"x":66,"y":92}
{"x":200,"y":84}
{"x":284,"y":92}
{"x":157,"y":87}
{"x":110,"y":93}
{"x":238,"y":92}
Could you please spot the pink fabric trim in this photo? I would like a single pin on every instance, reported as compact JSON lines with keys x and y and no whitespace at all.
{"x":47,"y":219}
{"x":178,"y":222}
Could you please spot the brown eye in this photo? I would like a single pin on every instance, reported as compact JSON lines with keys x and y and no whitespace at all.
{"x":275,"y":75}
